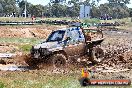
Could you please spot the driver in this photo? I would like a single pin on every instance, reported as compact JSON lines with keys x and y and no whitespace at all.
{"x":59,"y":37}
{"x":88,"y":36}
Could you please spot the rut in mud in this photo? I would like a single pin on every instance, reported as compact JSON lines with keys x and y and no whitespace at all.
{"x":117,"y":49}
{"x":117,"y":61}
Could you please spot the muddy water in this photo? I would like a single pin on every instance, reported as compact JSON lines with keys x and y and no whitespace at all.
{"x":118,"y":32}
{"x":112,"y":33}
{"x":12,"y":67}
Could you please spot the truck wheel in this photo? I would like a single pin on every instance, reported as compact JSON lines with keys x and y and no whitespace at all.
{"x":31,"y":61}
{"x":59,"y":60}
{"x":97,"y":55}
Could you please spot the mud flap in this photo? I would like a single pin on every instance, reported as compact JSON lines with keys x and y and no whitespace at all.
{"x":94,"y":43}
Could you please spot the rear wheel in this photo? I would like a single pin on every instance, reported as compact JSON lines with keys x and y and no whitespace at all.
{"x":97,"y":55}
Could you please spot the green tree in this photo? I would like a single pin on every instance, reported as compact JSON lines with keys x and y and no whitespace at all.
{"x":73,"y":11}
{"x":9,"y":6}
{"x":95,"y":12}
{"x":130,"y":12}
{"x":1,"y":8}
{"x":36,"y":10}
{"x":104,"y":9}
{"x":48,"y":10}
{"x":119,"y":8}
{"x":58,"y":10}
{"x":22,"y":6}
{"x":57,"y":1}
{"x":119,"y":1}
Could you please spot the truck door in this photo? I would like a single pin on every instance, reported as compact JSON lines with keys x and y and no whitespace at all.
{"x":70,"y":45}
{"x":81,"y":43}
{"x":74,"y":46}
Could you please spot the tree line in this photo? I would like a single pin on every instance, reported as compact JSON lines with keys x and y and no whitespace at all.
{"x":114,"y":8}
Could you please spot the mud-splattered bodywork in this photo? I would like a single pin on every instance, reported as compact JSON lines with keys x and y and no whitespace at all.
{"x":69,"y":41}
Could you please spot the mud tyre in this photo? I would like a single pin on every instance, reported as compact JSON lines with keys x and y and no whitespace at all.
{"x":97,"y":55}
{"x":59,"y":61}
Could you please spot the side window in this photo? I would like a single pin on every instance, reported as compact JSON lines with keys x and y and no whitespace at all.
{"x":56,"y":36}
{"x":76,"y":36}
{"x":81,"y":36}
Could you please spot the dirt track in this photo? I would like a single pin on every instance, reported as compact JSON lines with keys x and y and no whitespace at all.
{"x":27,"y":32}
{"x":118,"y":55}
{"x":117,"y":46}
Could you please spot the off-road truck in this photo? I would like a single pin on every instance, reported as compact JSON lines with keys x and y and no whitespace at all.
{"x":66,"y":44}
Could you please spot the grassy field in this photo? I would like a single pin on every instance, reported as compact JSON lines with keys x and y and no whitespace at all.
{"x":24,"y":44}
{"x":29,"y":19}
{"x":41,"y":79}
{"x":128,"y":23}
{"x":14,"y":19}
{"x":20,"y":40}
{"x":93,"y":20}
{"x":38,"y":79}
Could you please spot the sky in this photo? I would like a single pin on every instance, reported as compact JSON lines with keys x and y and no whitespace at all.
{"x":45,"y":2}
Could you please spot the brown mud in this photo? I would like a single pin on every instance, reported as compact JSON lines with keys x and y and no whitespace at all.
{"x":117,"y":47}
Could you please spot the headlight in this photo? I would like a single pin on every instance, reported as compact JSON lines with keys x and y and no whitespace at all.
{"x":44,"y":51}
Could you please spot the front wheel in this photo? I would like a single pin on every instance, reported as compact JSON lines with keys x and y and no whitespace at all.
{"x":59,"y":60}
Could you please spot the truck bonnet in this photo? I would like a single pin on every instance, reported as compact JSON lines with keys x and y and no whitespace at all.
{"x":47,"y":45}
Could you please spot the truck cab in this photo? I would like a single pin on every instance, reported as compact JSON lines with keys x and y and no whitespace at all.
{"x":62,"y":45}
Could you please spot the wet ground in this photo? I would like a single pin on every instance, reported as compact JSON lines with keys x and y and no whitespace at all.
{"x":117,"y":61}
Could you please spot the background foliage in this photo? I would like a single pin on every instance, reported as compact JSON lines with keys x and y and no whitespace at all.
{"x":114,"y":8}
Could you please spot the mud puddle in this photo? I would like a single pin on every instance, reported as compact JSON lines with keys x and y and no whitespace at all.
{"x":13,"y":67}
{"x":118,"y":32}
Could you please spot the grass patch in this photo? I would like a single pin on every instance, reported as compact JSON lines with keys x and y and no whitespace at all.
{"x":23,"y":44}
{"x":61,"y":18}
{"x":14,"y":19}
{"x":2,"y":85}
{"x":25,"y":48}
{"x":41,"y":79}
{"x":92,"y":21}
{"x":20,"y":19}
{"x":31,"y":41}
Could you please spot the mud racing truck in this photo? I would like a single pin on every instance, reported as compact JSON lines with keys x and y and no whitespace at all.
{"x":68,"y":44}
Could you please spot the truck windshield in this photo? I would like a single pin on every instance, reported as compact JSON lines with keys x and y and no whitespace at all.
{"x":56,"y":36}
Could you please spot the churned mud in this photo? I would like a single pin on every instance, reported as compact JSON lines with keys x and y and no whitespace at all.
{"x":117,"y":61}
